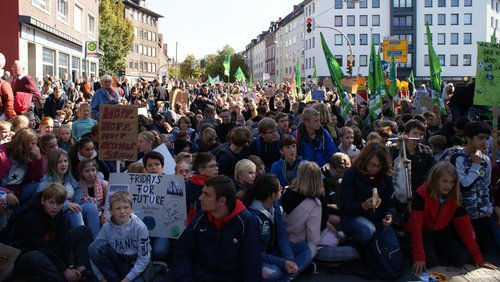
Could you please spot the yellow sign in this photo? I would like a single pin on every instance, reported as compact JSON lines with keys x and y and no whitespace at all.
{"x":396,"y":47}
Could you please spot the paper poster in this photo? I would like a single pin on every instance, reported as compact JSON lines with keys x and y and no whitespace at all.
{"x":487,"y":74}
{"x":118,"y":132}
{"x":159,"y":200}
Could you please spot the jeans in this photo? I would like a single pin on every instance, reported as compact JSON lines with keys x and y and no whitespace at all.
{"x":335,"y":254}
{"x":113,"y":267}
{"x":359,"y":228}
{"x":37,"y":264}
{"x":160,"y":248}
{"x":302,"y":254}
{"x":90,"y":213}
{"x":27,"y":191}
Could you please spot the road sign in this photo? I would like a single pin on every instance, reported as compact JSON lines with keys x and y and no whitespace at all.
{"x":397,"y":48}
{"x":350,"y":58}
{"x":385,"y":65}
{"x":193,"y":64}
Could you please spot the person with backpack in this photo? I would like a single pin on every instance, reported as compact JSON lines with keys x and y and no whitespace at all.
{"x":435,"y":205}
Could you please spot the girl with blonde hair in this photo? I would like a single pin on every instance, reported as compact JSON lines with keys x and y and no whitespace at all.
{"x":244,"y":176}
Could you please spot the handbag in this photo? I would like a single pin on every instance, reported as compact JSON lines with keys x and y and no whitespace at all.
{"x":401,"y":177}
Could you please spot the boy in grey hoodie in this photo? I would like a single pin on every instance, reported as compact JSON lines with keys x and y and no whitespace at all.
{"x":123,"y":241}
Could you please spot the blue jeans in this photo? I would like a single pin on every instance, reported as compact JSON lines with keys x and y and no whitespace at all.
{"x":160,"y":248}
{"x":90,"y":213}
{"x":27,"y":191}
{"x":302,"y":254}
{"x":113,"y":267}
{"x":359,"y":228}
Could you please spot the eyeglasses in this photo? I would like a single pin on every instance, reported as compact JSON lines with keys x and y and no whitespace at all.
{"x":212,"y":166}
{"x":270,"y":132}
{"x":374,"y":165}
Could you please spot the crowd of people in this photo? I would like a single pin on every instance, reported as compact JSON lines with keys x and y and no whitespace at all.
{"x":273,"y":183}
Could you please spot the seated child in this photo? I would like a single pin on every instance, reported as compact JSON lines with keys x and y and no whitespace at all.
{"x":244,"y":175}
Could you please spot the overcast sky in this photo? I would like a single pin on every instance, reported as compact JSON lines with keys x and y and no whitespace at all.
{"x":202,"y":27}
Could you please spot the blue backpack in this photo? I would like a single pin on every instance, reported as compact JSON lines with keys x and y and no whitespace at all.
{"x":385,"y":259}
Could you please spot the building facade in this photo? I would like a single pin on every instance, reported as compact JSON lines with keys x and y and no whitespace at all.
{"x":50,"y":36}
{"x":143,"y":60}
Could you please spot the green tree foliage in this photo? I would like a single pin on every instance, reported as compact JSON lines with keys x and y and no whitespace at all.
{"x":186,"y":71}
{"x":116,"y":36}
{"x":215,"y":68}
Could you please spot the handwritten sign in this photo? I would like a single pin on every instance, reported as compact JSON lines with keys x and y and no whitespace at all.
{"x":487,"y":74}
{"x":158,"y":199}
{"x":118,"y":132}
{"x":467,"y":273}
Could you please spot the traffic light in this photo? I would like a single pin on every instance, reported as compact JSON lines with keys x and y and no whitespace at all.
{"x":121,"y":72}
{"x":309,"y":25}
{"x":349,"y":67}
{"x":202,"y":63}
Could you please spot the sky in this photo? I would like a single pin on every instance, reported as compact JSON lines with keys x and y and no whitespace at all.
{"x":202,"y":27}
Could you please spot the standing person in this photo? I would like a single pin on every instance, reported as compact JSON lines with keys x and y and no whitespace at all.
{"x":104,"y":95}
{"x":23,"y":88}
{"x":41,"y":233}
{"x":435,"y":205}
{"x":121,"y":251}
{"x":314,"y":142}
{"x":224,"y":223}
{"x":7,"y":111}
{"x":280,"y":262}
{"x":474,"y":174}
{"x":159,"y":92}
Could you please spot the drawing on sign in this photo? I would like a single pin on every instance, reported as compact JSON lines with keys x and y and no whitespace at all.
{"x":487,"y":74}
{"x":175,"y":189}
{"x":171,"y":212}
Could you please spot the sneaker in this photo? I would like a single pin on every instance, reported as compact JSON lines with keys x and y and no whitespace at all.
{"x":310,"y":269}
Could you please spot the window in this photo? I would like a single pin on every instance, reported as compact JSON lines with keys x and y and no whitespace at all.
{"x":467,"y":38}
{"x":454,"y":39}
{"x":314,"y":8}
{"x":48,"y":61}
{"x":78,"y":16}
{"x":441,"y":19}
{"x":136,"y":48}
{"x":338,"y":20}
{"x":339,"y":39}
{"x":428,"y":3}
{"x":136,"y":65}
{"x":467,"y":19}
{"x":442,"y":60}
{"x":407,"y":37}
{"x":131,"y":64}
{"x":363,"y":39}
{"x":402,"y":3}
{"x":454,"y":3}
{"x":352,"y":38}
{"x":91,"y":26}
{"x":339,"y":59}
{"x":467,"y":60}
{"x":140,"y":49}
{"x":375,"y":3}
{"x":338,"y":4}
{"x":402,"y":21}
{"x":363,"y":4}
{"x":75,"y":68}
{"x":426,"y":60}
{"x":468,"y":3}
{"x":454,"y":19}
{"x":350,"y":4}
{"x":62,"y":10}
{"x":363,"y":20}
{"x":428,"y":19}
{"x":63,"y":64}
{"x":313,"y":40}
{"x":41,"y":4}
{"x":441,"y":3}
{"x":363,"y":60}
{"x":441,"y":38}
{"x":375,"y":20}
{"x":141,"y":65}
{"x":350,"y":21}
{"x":453,"y":60}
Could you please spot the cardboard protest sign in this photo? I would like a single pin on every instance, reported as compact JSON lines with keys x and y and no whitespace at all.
{"x":425,"y":104}
{"x":181,"y":97}
{"x":487,"y":74}
{"x":8,"y":256}
{"x":159,"y":200}
{"x":118,"y":131}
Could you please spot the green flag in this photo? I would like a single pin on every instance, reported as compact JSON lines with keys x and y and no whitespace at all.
{"x":227,"y":65}
{"x":298,"y":80}
{"x":210,"y":80}
{"x":239,"y":75}
{"x":435,"y":71}
{"x":393,"y":87}
{"x":250,"y":81}
{"x":375,"y":99}
{"x":411,"y":80}
{"x":494,"y":36}
{"x":336,"y":75}
{"x":315,"y":77}
{"x":380,"y":76}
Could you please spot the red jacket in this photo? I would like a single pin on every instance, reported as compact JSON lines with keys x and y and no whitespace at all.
{"x":428,"y":214}
{"x":6,"y":100}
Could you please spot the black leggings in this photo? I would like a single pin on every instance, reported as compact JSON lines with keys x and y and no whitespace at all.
{"x":444,"y":247}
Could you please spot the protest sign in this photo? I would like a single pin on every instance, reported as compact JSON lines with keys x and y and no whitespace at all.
{"x":487,"y":74}
{"x":118,"y":132}
{"x":8,"y":256}
{"x":159,"y":200}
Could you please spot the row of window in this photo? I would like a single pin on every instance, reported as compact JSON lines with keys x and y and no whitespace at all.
{"x":142,"y":66}
{"x":141,"y":17}
{"x":454,"y":38}
{"x":144,"y":50}
{"x":59,"y":67}
{"x":363,"y":20}
{"x":454,"y":19}
{"x":466,"y":60}
{"x":350,"y":4}
{"x":144,"y":34}
{"x":63,"y":11}
{"x":495,"y":6}
{"x":363,"y":39}
{"x":453,"y":3}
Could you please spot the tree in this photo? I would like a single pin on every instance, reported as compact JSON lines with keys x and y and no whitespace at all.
{"x":116,"y":36}
{"x":186,"y":70}
{"x":214,"y":64}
